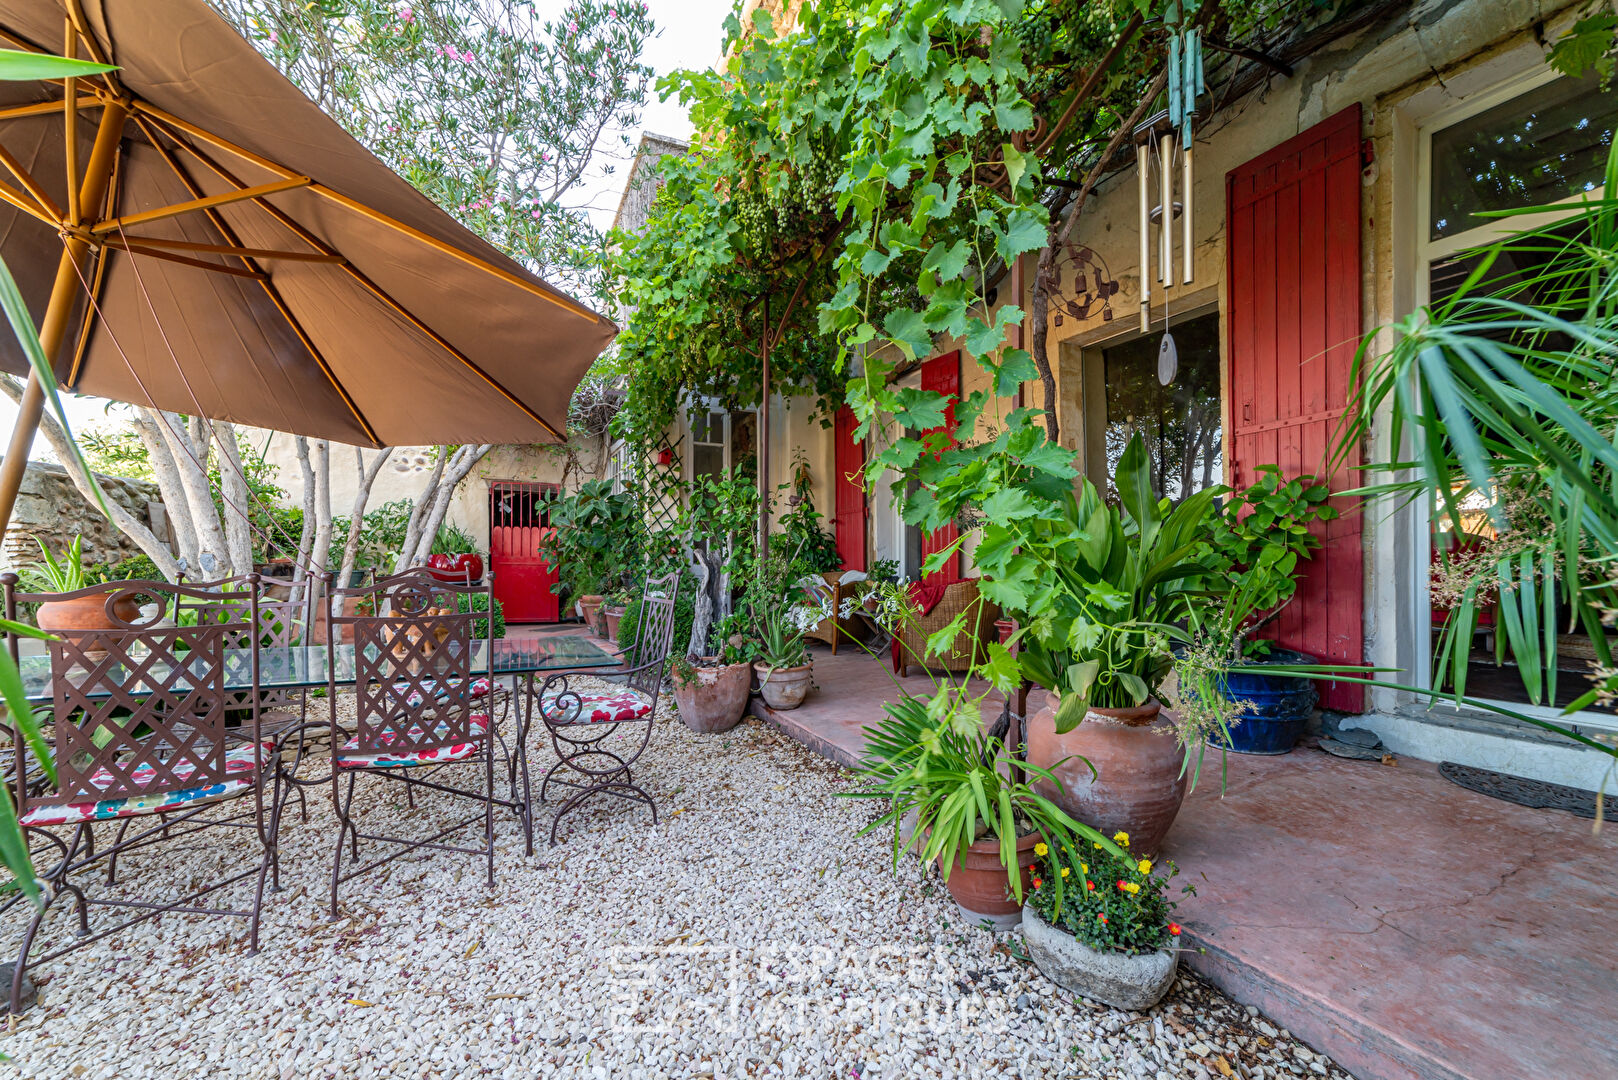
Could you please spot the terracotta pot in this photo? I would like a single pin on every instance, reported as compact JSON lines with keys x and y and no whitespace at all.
{"x":611,"y":617}
{"x":784,"y":688}
{"x":1005,"y":628}
{"x":1137,"y":786}
{"x":589,"y":607}
{"x":979,"y":884}
{"x":86,"y":613}
{"x":716,"y":700}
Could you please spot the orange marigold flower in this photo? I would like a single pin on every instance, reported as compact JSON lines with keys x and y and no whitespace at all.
{"x":1090,"y":885}
{"x":1174,"y":929}
{"x":1038,"y":883}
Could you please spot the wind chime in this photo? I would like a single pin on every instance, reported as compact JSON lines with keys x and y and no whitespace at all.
{"x":1167,"y":138}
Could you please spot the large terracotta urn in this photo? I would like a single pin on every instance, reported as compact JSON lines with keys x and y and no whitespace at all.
{"x":1137,"y":786}
{"x":716,"y":697}
{"x":88,"y":614}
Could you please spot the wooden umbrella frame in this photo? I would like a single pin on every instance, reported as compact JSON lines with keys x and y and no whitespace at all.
{"x":85,"y":228}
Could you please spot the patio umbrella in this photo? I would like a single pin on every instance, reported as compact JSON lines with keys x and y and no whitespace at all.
{"x":197,"y":235}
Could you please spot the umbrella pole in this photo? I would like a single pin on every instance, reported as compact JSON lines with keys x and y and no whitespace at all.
{"x":64,"y":292}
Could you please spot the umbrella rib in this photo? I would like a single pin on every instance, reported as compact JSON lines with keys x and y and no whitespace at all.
{"x":26,"y":205}
{"x":44,"y":108}
{"x":207,"y":202}
{"x":238,"y":252}
{"x":209,"y":137}
{"x":269,"y":287}
{"x":26,"y":179}
{"x":376,"y":290}
{"x":185,"y":260}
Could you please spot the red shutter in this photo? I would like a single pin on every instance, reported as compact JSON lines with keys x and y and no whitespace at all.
{"x":942,"y":374}
{"x":1294,"y":320}
{"x":848,"y":490}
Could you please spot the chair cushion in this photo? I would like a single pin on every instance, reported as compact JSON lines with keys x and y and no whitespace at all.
{"x":349,"y":756}
{"x":479,"y":688}
{"x":605,"y":708}
{"x":239,"y":770}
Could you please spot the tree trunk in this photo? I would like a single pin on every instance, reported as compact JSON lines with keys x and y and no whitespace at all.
{"x":419,"y":512}
{"x":356,"y":515}
{"x":126,"y":523}
{"x":167,"y":474}
{"x":238,"y":500}
{"x":320,"y":463}
{"x":306,"y":534}
{"x":436,"y":498}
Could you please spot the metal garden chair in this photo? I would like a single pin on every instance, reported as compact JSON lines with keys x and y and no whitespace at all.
{"x":421,"y":716}
{"x":141,"y":734}
{"x":580,"y":724}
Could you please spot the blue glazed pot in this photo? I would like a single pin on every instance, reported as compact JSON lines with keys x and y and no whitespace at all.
{"x":1278,"y":706}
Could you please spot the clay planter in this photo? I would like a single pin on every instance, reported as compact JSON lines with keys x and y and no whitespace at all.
{"x":1137,"y":786}
{"x":979,"y":885}
{"x":611,"y":617}
{"x":716,"y":700}
{"x":784,"y":688}
{"x":1128,"y":982}
{"x":85,"y":613}
{"x":589,"y":607}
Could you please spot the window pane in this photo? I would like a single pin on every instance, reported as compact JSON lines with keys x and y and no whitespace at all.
{"x":1181,"y":422}
{"x":1535,"y":149}
{"x":707,"y":460}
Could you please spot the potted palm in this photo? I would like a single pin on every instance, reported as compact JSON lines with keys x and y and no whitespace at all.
{"x":1099,"y":589}
{"x":964,"y":803}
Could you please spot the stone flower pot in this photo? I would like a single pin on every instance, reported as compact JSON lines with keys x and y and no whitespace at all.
{"x":784,"y":688}
{"x":611,"y":617}
{"x":1137,"y":786}
{"x":1128,"y":982}
{"x":979,"y":885}
{"x":715,"y":699}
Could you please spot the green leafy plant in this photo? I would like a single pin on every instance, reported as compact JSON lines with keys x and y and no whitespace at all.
{"x":685,"y":613}
{"x":1112,"y":903}
{"x":451,"y":539}
{"x":382,"y":534}
{"x":960,"y":786}
{"x":58,"y":575}
{"x":467,"y":602}
{"x":779,"y":630}
{"x":801,"y":530}
{"x":597,"y":539}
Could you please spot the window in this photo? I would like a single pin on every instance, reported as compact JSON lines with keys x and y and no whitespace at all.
{"x":1181,"y":423}
{"x":707,"y":444}
{"x":1535,"y":149}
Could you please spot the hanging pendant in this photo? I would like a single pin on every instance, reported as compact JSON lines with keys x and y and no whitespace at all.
{"x":1168,"y":359}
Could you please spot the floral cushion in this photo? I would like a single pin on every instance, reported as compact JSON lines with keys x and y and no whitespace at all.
{"x":349,"y":757}
{"x":599,"y":708}
{"x":239,"y":770}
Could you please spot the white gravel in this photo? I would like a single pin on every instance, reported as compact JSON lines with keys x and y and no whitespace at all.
{"x":750,"y":933}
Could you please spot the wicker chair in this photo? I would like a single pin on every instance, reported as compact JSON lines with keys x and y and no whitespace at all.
{"x":910,"y":646}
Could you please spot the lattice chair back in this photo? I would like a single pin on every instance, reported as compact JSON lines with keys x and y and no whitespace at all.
{"x":655,"y":635}
{"x":280,"y":624}
{"x":140,"y":705}
{"x":415,"y":662}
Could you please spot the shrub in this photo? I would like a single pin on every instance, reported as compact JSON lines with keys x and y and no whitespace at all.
{"x":480,"y":602}
{"x":685,"y":613}
{"x":1110,"y":904}
{"x":135,"y":568}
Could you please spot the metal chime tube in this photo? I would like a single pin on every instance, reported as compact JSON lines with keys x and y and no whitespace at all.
{"x":1143,"y":161}
{"x":1165,"y":152}
{"x":1185,"y":214}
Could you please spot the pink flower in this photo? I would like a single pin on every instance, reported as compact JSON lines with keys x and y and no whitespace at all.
{"x":573,"y":28}
{"x":407,"y":14}
{"x":467,"y":57}
{"x":274,"y":37}
{"x":536,"y":215}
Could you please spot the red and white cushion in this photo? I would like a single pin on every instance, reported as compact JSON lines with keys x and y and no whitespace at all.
{"x":350,"y":757}
{"x":599,"y":708}
{"x":239,"y":775}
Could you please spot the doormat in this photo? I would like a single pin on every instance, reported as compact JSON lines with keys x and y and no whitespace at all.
{"x":1535,"y":793}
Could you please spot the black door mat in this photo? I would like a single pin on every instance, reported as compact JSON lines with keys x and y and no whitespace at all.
{"x":1535,"y":793}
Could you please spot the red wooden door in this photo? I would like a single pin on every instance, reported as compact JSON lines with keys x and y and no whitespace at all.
{"x":1293,"y":282}
{"x":519,"y":522}
{"x":848,"y":488}
{"x":942,"y":374}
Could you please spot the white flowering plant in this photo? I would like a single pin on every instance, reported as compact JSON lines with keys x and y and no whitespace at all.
{"x":781,"y":628}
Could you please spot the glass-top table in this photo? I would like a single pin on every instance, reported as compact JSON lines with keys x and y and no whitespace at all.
{"x":303,"y":666}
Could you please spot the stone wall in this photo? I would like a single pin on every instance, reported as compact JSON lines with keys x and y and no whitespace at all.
{"x":51,"y":509}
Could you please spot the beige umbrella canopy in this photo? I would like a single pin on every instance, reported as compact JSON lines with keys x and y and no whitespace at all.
{"x":197,"y":235}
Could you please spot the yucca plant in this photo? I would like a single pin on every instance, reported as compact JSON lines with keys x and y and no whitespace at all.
{"x":1508,"y":394}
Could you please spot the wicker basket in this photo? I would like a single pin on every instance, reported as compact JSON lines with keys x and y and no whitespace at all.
{"x":970,"y":643}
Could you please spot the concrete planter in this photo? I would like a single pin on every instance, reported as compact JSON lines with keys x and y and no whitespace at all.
{"x":1135,"y":983}
{"x":784,"y":688}
{"x":715,"y":699}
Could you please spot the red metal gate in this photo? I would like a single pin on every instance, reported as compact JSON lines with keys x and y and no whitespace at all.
{"x":519,"y":520}
{"x":1293,"y":280}
{"x":942,"y":374}
{"x":848,"y":490}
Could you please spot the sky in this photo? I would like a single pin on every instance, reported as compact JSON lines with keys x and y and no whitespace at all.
{"x":688,"y":37}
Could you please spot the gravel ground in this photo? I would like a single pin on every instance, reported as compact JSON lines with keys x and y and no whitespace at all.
{"x":750,"y":933}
